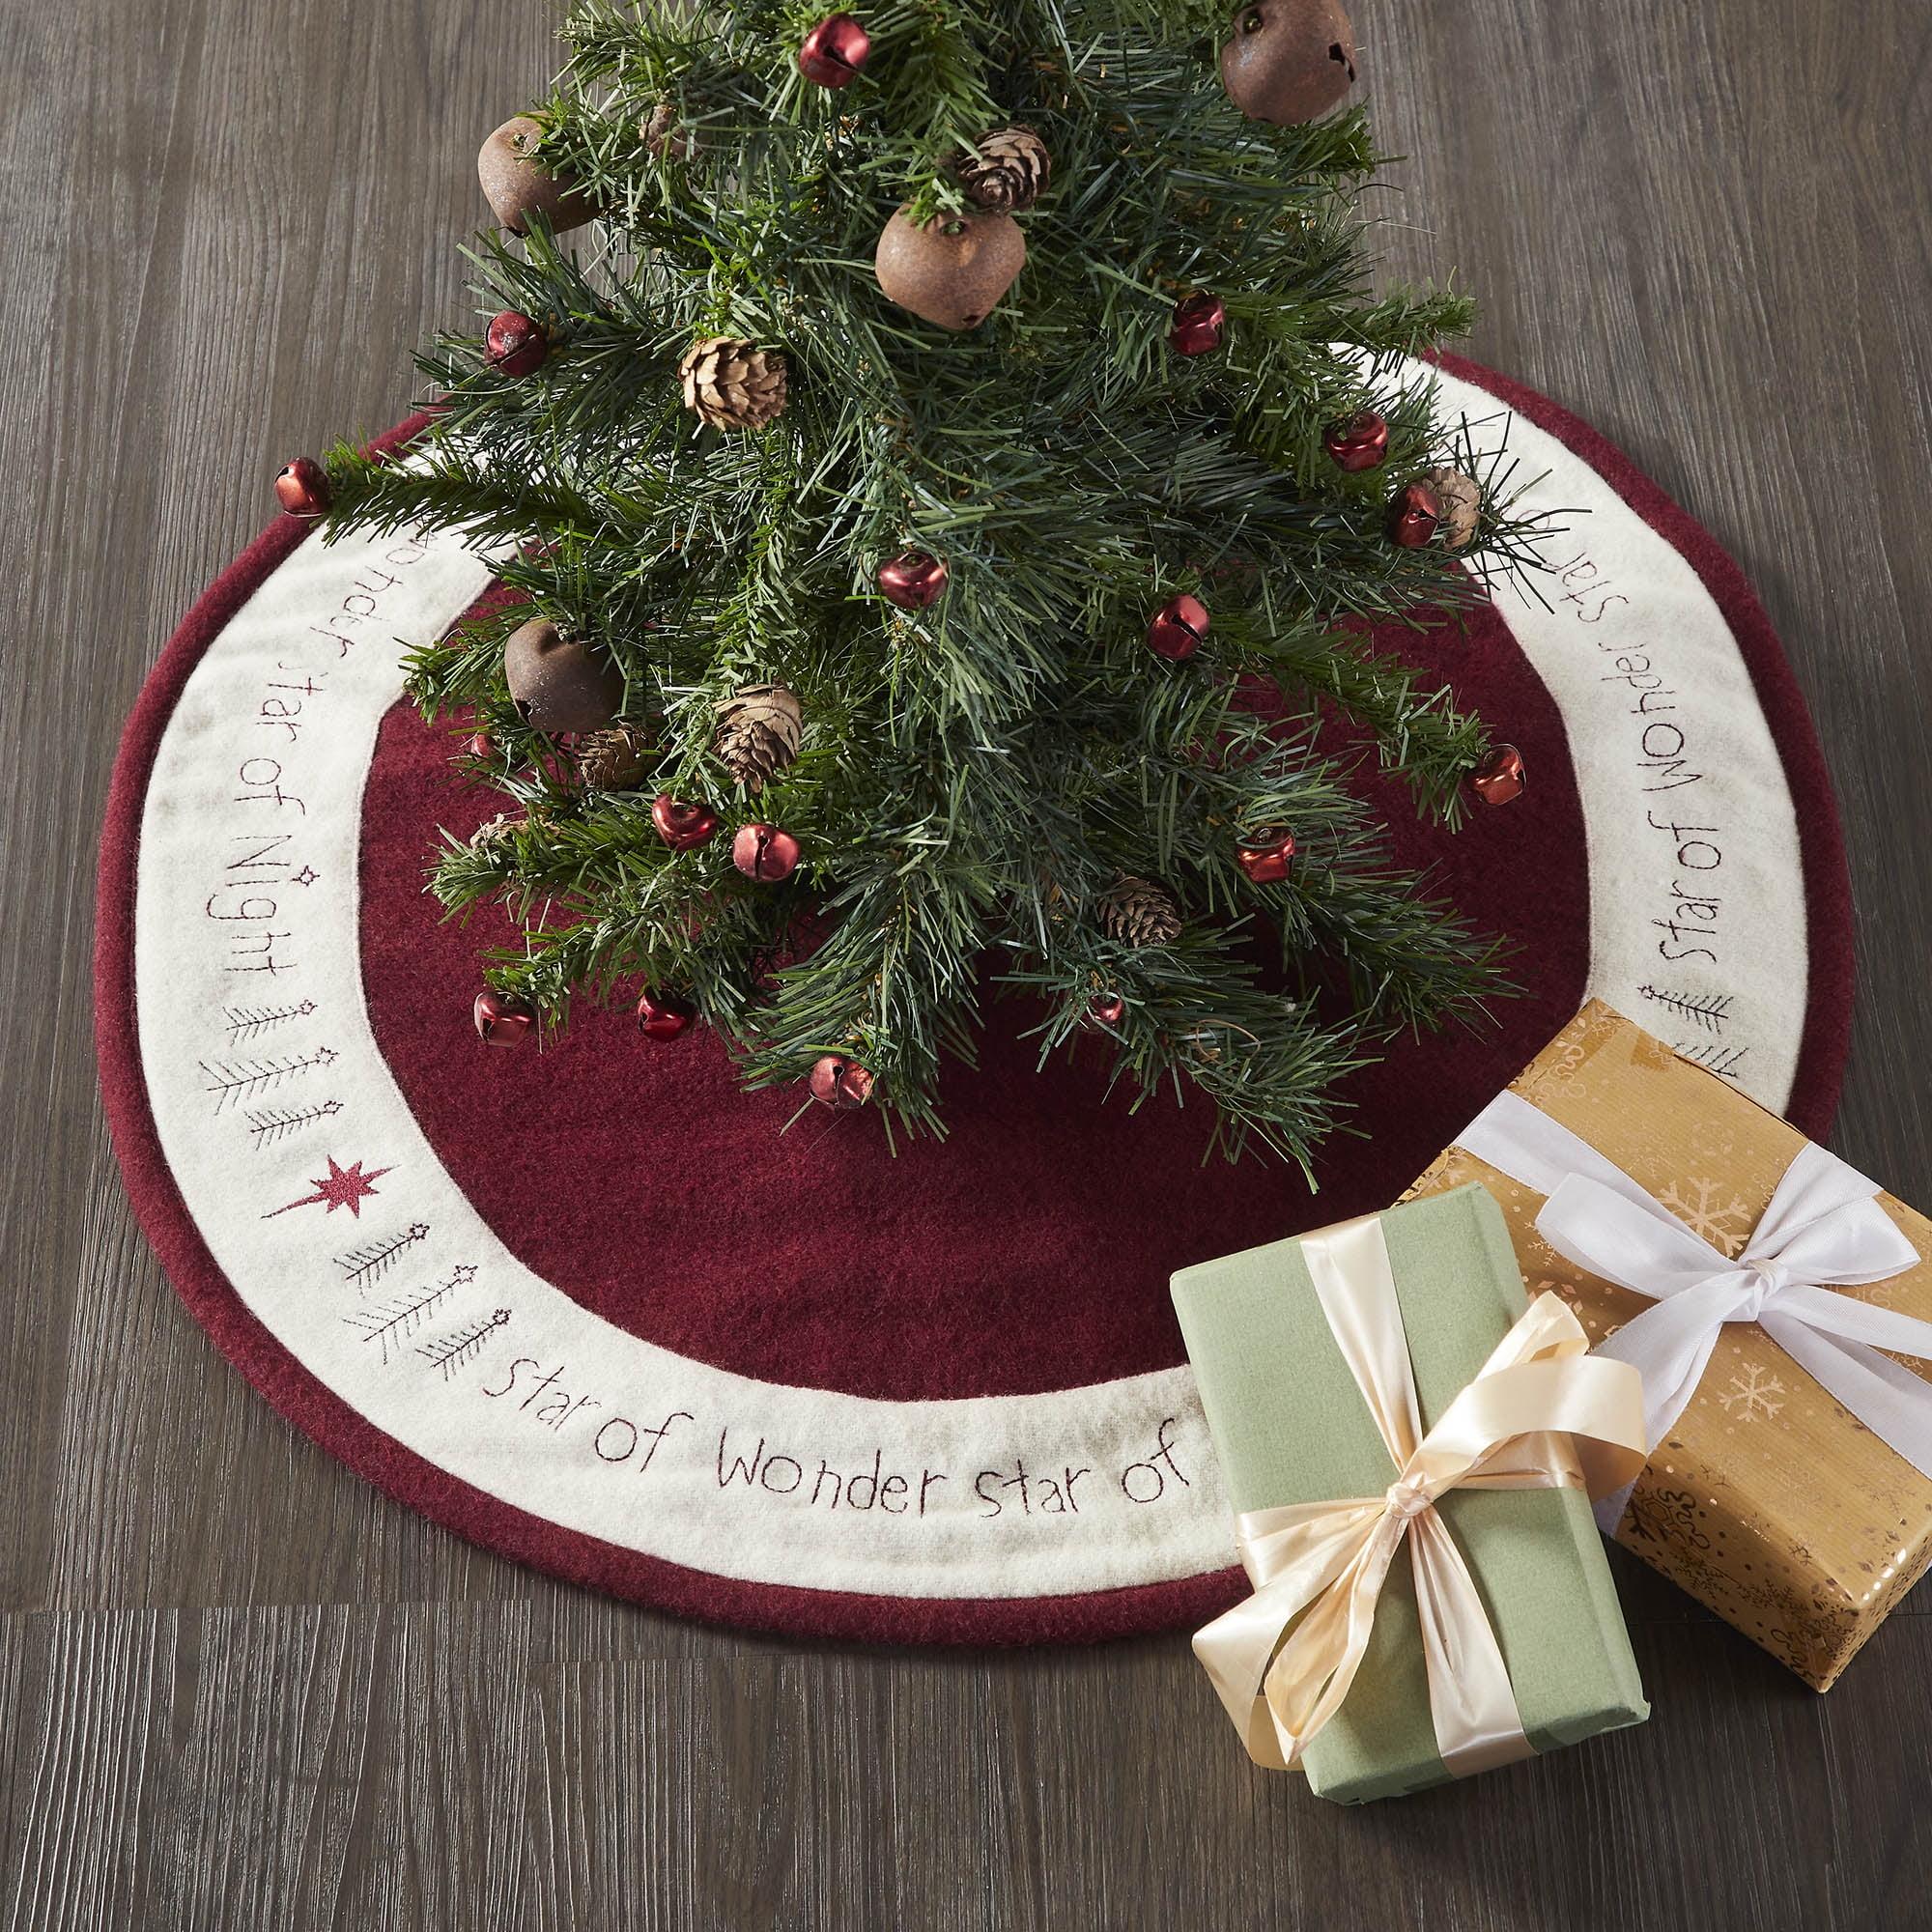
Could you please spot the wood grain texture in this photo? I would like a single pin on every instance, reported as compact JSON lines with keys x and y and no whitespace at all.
{"x":238,"y":1689}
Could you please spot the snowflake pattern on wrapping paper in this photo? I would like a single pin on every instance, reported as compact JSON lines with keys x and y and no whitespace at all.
{"x":1703,"y":1207}
{"x":1670,"y":1523}
{"x":1592,"y":1320}
{"x":1753,"y":1395}
{"x":1880,"y":1294}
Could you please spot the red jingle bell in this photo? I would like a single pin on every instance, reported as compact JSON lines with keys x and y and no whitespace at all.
{"x":515,"y":344}
{"x":833,"y":52}
{"x":682,"y":827}
{"x":1106,"y":1009}
{"x":501,"y":1022}
{"x":764,"y":853}
{"x":913,"y":580}
{"x":480,"y":746}
{"x":1502,"y":779}
{"x":1264,"y":855}
{"x":1177,"y":627}
{"x":1199,"y":324}
{"x":1414,"y":516}
{"x":1360,"y":443}
{"x":665,"y":1016}
{"x":301,"y":487}
{"x":840,"y":1082}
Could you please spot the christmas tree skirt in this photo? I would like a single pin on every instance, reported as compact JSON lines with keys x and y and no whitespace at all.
{"x":592,"y":1308}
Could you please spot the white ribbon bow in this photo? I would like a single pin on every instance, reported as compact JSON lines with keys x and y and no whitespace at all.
{"x":1822,"y":1230}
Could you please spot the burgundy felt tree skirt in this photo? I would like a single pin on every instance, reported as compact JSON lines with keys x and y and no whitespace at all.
{"x":593,"y":1308}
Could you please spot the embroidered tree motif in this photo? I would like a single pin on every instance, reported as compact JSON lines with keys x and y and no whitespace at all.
{"x":1752,"y":1396}
{"x":462,"y":1345}
{"x":272,"y":1124}
{"x":1701,"y":1205}
{"x":245,"y":1023}
{"x":231,"y":1080}
{"x":1726,"y":1062}
{"x":1708,"y":1010}
{"x":361,"y":1267}
{"x":390,"y":1324}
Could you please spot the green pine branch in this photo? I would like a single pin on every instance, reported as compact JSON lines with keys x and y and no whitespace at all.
{"x":974,"y":778}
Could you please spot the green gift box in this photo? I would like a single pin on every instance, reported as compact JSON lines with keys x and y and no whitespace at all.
{"x":1291,"y":1426}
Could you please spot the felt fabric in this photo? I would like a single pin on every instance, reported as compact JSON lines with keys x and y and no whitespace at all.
{"x":808,"y":1256}
{"x":1026,"y":1257}
{"x":1812,"y":1097}
{"x":273,"y":1110}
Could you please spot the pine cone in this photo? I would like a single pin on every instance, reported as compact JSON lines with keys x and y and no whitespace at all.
{"x":757,"y":732}
{"x":1009,"y":171}
{"x":499,"y":830}
{"x":1462,"y":502}
{"x":663,"y":136}
{"x":1140,"y":913}
{"x":733,"y":383}
{"x":612,"y":760}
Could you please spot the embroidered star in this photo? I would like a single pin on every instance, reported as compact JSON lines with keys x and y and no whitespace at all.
{"x":307,"y":876}
{"x":344,"y":1187}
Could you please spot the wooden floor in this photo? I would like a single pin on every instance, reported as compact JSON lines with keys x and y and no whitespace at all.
{"x":239,"y":1689}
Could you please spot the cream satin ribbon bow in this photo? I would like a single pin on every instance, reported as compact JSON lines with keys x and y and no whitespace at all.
{"x":1282,"y":1680}
{"x":1822,"y":1229}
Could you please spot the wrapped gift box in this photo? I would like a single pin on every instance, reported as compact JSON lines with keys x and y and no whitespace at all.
{"x":1291,"y":1426}
{"x":1765,"y":1499}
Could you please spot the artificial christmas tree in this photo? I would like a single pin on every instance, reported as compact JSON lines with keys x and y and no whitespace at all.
{"x":1007,"y":301}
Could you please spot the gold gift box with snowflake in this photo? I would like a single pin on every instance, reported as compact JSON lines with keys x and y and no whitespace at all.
{"x":1766,"y":1497}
